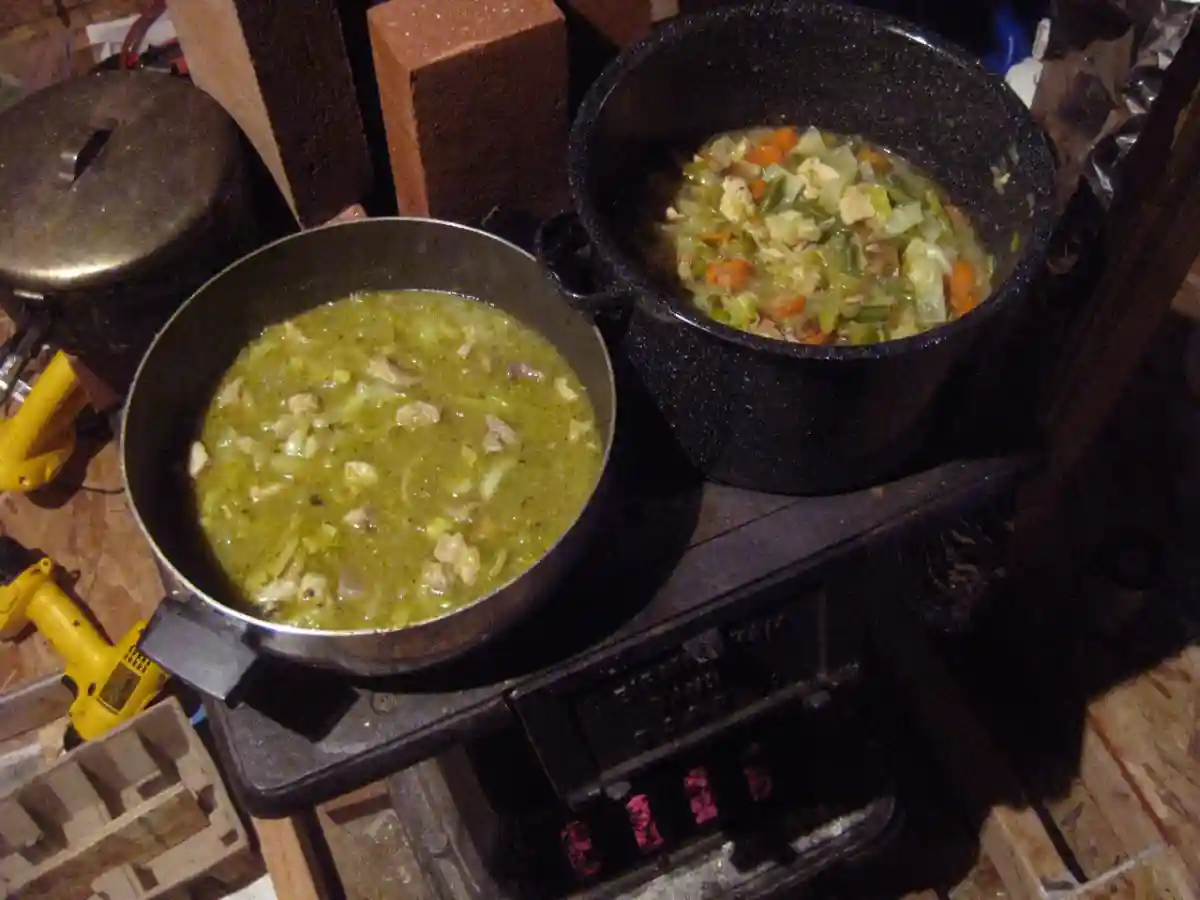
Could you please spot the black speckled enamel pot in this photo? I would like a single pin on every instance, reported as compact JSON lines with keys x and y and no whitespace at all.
{"x":751,"y":411}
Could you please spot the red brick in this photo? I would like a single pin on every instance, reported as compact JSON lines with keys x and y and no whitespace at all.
{"x":474,"y":103}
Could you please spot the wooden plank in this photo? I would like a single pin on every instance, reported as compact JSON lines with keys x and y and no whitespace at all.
{"x":32,"y":704}
{"x":17,"y":828}
{"x":1014,"y":838}
{"x":1187,"y":301}
{"x":1149,"y":726}
{"x":371,"y":857}
{"x":1156,"y":878}
{"x":1116,"y":797}
{"x":131,"y":765}
{"x":1086,"y":831}
{"x":983,"y":883}
{"x":163,"y":822}
{"x":88,"y":812}
{"x":287,"y":848}
{"x":369,"y":800}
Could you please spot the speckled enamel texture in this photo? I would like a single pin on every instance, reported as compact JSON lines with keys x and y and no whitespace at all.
{"x":765,"y":414}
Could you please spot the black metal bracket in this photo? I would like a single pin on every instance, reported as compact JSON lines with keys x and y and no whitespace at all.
{"x":200,"y":647}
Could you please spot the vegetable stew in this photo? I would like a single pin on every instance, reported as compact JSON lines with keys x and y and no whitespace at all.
{"x":817,"y":238}
{"x":390,"y":457}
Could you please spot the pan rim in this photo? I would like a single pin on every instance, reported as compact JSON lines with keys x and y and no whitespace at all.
{"x":284,"y":629}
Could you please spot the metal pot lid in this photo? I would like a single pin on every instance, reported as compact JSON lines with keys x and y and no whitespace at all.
{"x":105,"y":178}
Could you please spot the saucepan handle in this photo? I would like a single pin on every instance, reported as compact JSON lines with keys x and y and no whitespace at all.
{"x":563,"y":249}
{"x":201,"y":647}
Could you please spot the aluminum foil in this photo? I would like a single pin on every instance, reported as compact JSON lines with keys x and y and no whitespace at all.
{"x":1102,"y":71}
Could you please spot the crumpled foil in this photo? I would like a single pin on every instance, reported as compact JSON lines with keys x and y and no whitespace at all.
{"x":1102,"y":71}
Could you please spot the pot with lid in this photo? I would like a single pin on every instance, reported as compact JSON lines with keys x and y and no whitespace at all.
{"x":120,"y":193}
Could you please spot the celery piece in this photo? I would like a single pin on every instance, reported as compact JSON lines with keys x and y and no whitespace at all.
{"x":742,"y":309}
{"x":878,"y":196}
{"x":873,"y":314}
{"x":775,"y":196}
{"x":862,"y":333}
{"x":827,"y":319}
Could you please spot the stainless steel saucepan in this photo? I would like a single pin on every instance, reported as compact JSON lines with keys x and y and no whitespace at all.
{"x":179,"y":373}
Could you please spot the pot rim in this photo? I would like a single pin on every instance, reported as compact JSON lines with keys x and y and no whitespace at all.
{"x":282,"y":628}
{"x":631,"y":272}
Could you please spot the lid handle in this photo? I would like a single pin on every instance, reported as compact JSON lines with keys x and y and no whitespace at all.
{"x":82,"y":151}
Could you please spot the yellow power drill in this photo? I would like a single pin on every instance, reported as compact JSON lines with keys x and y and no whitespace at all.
{"x":111,"y":683}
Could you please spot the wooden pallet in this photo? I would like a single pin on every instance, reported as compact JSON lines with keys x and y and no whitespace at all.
{"x":139,"y":814}
{"x":1129,"y":826}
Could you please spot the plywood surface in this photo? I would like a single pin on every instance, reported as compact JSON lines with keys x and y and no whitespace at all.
{"x":1151,"y":725}
{"x":93,"y":538}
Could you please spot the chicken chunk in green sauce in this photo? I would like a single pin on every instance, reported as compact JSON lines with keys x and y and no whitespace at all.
{"x":817,"y":238}
{"x":390,"y":457}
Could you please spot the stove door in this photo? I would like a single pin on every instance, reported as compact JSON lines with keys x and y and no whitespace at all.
{"x":792,"y":642}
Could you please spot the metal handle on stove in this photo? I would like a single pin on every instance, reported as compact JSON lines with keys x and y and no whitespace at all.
{"x":201,"y":648}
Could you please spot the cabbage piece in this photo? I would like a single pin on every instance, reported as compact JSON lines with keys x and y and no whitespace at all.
{"x":842,"y":159}
{"x":925,"y":265}
{"x":737,"y":203}
{"x":811,"y":143}
{"x":902,"y":218}
{"x":721,"y":151}
{"x":701,"y":173}
{"x":855,"y":204}
{"x":790,"y":227}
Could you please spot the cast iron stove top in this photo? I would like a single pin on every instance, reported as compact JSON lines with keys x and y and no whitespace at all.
{"x":698,"y":609}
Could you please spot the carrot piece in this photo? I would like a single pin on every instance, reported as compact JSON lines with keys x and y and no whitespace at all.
{"x":785,"y":309}
{"x":758,"y":189}
{"x":785,"y":139}
{"x":875,"y":158}
{"x":817,"y":338}
{"x":716,"y":238}
{"x":962,"y":287}
{"x":730,"y":274}
{"x":764,"y":155}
